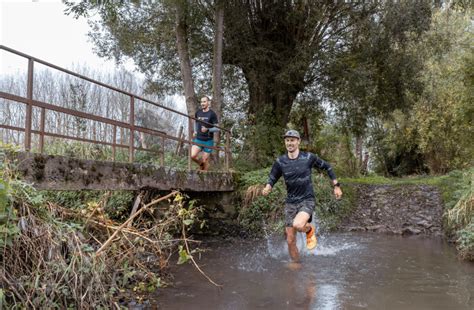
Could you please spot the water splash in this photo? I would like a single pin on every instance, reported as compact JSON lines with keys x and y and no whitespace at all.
{"x":277,"y":248}
{"x":253,"y":262}
{"x":327,"y":247}
{"x":258,"y":257}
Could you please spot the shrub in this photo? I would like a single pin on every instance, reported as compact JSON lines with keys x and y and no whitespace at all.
{"x":460,"y":217}
{"x":465,"y":242}
{"x":51,"y":245}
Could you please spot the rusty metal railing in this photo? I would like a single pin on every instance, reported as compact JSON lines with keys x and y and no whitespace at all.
{"x":30,"y":102}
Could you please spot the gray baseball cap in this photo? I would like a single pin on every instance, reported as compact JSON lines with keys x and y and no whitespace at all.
{"x":292,"y":134}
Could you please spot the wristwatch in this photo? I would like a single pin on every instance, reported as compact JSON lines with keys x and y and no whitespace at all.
{"x":337,"y":184}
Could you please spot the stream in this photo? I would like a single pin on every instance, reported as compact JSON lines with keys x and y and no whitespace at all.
{"x":345,"y":271}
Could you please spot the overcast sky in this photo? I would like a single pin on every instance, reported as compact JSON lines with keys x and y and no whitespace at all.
{"x":41,"y":29}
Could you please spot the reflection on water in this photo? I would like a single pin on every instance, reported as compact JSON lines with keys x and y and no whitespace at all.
{"x":327,"y":297}
{"x":346,"y":271}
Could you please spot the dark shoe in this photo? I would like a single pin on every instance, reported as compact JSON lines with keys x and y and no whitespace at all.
{"x":201,"y":166}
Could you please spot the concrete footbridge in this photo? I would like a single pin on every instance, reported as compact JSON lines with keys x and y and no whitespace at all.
{"x":85,"y":134}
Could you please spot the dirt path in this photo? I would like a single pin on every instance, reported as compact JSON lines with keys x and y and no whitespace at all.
{"x":402,"y":209}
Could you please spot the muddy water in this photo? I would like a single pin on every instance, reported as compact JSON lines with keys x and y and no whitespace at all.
{"x":346,"y":271}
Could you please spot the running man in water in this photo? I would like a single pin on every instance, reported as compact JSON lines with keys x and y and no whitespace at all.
{"x":295,"y":166}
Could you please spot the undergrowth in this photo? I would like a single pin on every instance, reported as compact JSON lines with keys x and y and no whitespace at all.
{"x":74,"y":250}
{"x":460,"y":214}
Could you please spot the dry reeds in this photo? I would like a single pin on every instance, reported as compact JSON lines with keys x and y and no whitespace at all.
{"x":251,"y":194}
{"x":463,"y":212}
{"x":53,"y":262}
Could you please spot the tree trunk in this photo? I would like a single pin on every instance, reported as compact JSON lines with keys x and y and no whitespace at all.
{"x":306,"y":131}
{"x":217,"y":68}
{"x":217,"y":61}
{"x":184,"y":59}
{"x":267,"y":96}
{"x":269,"y":108}
{"x":365,"y":164}
{"x":358,"y":151}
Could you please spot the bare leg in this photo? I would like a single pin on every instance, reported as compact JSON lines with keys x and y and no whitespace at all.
{"x":300,"y":223}
{"x":291,"y":240}
{"x":195,"y":153}
{"x":205,"y":160}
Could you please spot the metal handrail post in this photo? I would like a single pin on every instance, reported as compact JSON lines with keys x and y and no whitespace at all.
{"x":29,"y":107}
{"x":42,"y":124}
{"x":162,"y":157}
{"x":227,"y":150}
{"x":190,"y":137}
{"x":132,"y":127}
{"x":114,"y":141}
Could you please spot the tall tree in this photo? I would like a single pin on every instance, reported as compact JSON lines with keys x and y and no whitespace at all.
{"x":377,"y":71}
{"x":184,"y":59}
{"x":153,"y":34}
{"x":280,"y":47}
{"x":375,"y":74}
{"x":217,"y":65}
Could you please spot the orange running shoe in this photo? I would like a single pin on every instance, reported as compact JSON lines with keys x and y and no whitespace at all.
{"x":311,"y":240}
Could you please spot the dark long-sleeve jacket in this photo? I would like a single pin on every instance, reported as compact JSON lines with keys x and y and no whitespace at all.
{"x":297,"y":175}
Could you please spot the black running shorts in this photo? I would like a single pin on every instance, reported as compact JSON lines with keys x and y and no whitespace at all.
{"x":292,"y":209}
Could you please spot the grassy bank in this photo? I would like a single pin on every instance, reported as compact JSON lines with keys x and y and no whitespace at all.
{"x":457,"y":192}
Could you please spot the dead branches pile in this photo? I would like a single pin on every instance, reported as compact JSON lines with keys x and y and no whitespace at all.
{"x":67,"y":258}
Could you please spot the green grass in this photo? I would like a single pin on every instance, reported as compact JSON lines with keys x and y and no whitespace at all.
{"x":456,"y":189}
{"x":413,"y":180}
{"x":447,"y":184}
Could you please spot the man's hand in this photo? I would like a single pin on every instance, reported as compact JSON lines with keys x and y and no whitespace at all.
{"x":337,"y":192}
{"x":337,"y":189}
{"x":266,"y":190}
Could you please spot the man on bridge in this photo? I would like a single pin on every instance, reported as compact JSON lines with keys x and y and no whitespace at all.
{"x":204,"y":134}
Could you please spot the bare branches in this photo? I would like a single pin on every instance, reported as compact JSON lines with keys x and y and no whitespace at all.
{"x":131,"y":219}
{"x":194,"y":262}
{"x":54,"y":262}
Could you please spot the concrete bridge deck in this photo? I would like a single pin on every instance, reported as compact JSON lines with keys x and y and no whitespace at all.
{"x":49,"y":172}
